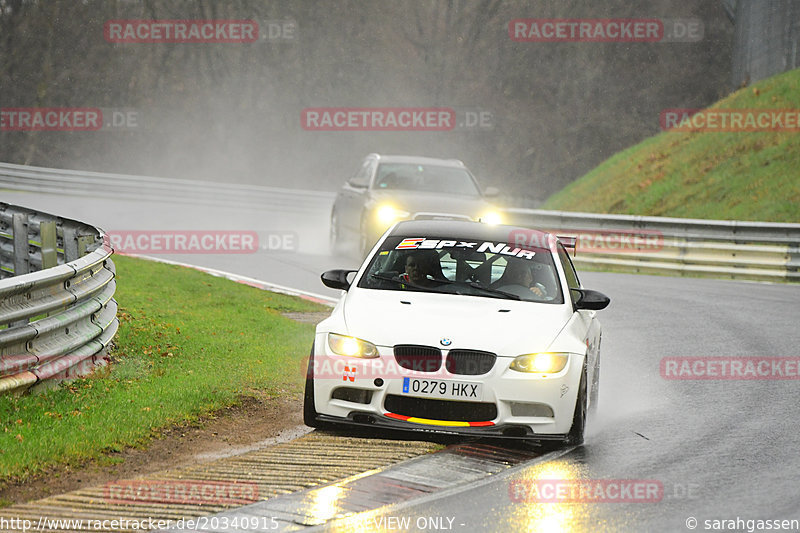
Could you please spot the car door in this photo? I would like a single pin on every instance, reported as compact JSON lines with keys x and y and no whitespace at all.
{"x":353,"y":196}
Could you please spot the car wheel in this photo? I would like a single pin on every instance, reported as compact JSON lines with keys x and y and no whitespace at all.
{"x":575,"y":435}
{"x":363,"y":240}
{"x":335,"y":234}
{"x":309,"y":411}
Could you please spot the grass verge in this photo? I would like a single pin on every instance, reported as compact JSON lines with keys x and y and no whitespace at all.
{"x":708,"y":175}
{"x":188,"y":344}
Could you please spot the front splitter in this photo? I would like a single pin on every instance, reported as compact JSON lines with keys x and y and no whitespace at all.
{"x":394,"y":422}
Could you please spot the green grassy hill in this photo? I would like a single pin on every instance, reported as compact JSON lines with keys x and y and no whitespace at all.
{"x":715,"y":175}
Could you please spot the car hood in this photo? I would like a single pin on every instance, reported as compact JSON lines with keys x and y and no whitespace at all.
{"x":505,"y":327}
{"x":424,"y":202}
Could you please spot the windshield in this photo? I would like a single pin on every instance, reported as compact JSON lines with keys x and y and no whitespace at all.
{"x":427,"y":178}
{"x":452,"y":265}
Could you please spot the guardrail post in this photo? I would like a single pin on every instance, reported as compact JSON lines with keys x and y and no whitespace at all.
{"x":84,"y":241}
{"x":70,"y":243}
{"x":793,"y":265}
{"x":49,"y":239}
{"x":20,"y":229}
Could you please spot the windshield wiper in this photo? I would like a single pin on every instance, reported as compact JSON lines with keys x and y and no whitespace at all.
{"x":388,"y":278}
{"x":504,"y":294}
{"x":445,"y":281}
{"x":405,"y":283}
{"x":476,"y":285}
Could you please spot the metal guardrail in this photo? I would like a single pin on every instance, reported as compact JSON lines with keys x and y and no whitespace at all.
{"x":675,"y":246}
{"x":57,"y":311}
{"x":715,"y":248}
{"x":128,"y":187}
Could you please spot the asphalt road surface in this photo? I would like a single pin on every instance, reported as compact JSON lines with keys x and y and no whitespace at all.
{"x":717,"y":449}
{"x":297,"y":265}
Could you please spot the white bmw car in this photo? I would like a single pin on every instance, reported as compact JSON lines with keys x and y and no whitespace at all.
{"x":459,"y":327}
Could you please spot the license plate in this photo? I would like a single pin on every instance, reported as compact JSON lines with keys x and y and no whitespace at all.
{"x":439,"y":388}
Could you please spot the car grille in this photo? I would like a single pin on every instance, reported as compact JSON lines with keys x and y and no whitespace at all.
{"x":418,"y":358}
{"x":469,"y":362}
{"x":440,"y":409}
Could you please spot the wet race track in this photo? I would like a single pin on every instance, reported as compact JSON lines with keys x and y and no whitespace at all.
{"x":665,"y":453}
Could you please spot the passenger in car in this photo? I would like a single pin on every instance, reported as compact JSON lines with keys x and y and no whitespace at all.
{"x":519,"y":273}
{"x":419,"y":270}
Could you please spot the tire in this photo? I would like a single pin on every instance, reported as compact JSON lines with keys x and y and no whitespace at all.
{"x":364,"y":245}
{"x":309,"y":410}
{"x":335,"y":234}
{"x":576,"y":432}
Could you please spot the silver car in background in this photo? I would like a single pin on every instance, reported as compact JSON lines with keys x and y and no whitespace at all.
{"x":387,"y":189}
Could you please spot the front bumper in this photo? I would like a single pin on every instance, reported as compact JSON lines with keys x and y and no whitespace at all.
{"x":367,"y":392}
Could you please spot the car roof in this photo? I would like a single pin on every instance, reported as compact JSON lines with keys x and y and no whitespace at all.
{"x":419,"y":160}
{"x":462,"y":229}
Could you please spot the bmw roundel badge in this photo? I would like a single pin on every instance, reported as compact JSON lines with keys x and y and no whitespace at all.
{"x":445,"y":341}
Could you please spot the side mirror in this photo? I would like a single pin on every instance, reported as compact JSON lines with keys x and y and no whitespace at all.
{"x":336,"y":279}
{"x":354,"y":183}
{"x":589,"y":299}
{"x":491,"y":192}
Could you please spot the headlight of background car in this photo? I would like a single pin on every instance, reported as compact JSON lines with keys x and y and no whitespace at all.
{"x":351,"y":346}
{"x":388,"y":214}
{"x":540,"y":363}
{"x":492,"y":218}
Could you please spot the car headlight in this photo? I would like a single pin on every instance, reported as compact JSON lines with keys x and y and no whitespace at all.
{"x":387,"y":214}
{"x":492,"y":218}
{"x":351,"y":346}
{"x":540,"y":363}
